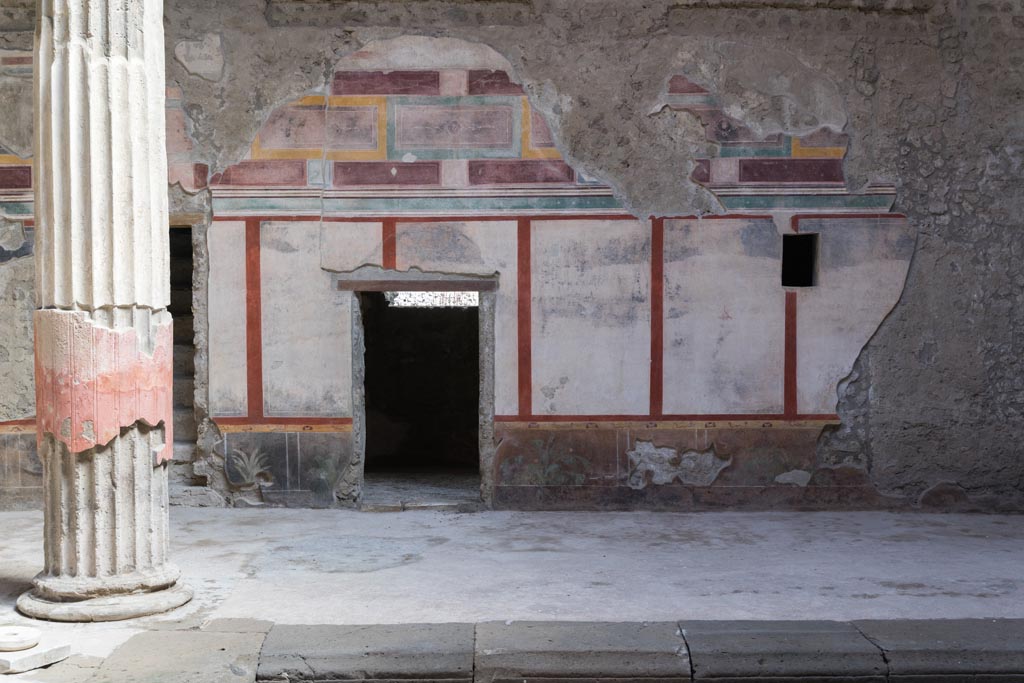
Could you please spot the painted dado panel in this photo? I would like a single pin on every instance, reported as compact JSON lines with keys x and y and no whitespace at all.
{"x":474,"y":248}
{"x":591,"y":317}
{"x":307,"y":364}
{"x":227,"y":306}
{"x":862,"y":266}
{"x":724,"y":317}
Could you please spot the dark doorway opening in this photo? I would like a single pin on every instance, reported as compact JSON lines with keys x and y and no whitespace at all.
{"x":182,"y":265}
{"x":422,"y":398}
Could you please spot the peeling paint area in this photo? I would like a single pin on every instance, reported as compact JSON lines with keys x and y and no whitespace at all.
{"x":17,"y":272}
{"x":650,"y":464}
{"x":794,"y":477}
{"x":203,"y":57}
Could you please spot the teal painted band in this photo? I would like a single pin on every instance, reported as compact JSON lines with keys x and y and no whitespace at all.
{"x":880,"y":202}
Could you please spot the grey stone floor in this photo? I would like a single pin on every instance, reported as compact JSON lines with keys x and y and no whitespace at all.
{"x":340,"y":567}
{"x":393,"y":491}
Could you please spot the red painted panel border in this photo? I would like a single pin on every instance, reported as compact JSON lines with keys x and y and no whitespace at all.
{"x":657,"y":315}
{"x":525,"y":313}
{"x":715,"y":417}
{"x":254,"y":318}
{"x":389,"y":244}
{"x":796,"y":218}
{"x":789,"y":370}
{"x":283,"y":420}
{"x":407,"y":218}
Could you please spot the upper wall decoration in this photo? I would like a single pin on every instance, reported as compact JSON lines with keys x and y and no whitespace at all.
{"x":778,"y":172}
{"x":421,"y":141}
{"x":395,"y":132}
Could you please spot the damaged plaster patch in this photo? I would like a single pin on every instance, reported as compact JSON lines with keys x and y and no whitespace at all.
{"x":795,"y":477}
{"x":15,"y":240}
{"x":17,"y":302}
{"x":769,"y":91}
{"x":203,"y":57}
{"x":16,"y":94}
{"x":649,"y":464}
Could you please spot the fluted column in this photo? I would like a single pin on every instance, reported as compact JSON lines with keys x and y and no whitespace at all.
{"x":103,"y":341}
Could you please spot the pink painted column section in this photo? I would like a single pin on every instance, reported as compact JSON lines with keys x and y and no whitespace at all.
{"x":103,"y":335}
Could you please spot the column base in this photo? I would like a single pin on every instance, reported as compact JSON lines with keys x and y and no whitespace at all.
{"x":107,"y":608}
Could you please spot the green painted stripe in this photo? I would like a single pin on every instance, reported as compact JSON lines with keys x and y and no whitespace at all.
{"x":476,"y":204}
{"x":732,"y":151}
{"x":311,"y":206}
{"x":882,"y":202}
{"x":398,"y":205}
{"x":16,"y":209}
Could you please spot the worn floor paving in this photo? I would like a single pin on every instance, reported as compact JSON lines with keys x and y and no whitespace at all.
{"x":341,"y":567}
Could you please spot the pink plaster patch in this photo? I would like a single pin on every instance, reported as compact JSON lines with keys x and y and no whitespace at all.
{"x":91,"y":381}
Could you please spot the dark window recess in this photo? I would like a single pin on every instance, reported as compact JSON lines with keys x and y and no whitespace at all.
{"x":799,"y":260}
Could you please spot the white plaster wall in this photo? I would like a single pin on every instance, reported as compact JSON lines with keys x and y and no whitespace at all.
{"x":591,"y":323}
{"x":306,"y":327}
{"x":475,"y":248}
{"x":862,"y":265}
{"x":348,"y":245}
{"x":725,"y":309}
{"x":228,"y":396}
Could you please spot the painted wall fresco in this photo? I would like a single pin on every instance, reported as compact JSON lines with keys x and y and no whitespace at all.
{"x":639,"y":361}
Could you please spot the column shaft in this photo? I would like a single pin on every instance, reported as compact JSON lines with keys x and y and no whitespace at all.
{"x":103,"y":335}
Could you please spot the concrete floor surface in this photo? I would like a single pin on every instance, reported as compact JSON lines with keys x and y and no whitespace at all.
{"x":343,"y":567}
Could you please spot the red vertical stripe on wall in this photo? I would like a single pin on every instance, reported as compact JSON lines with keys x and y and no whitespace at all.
{"x":790,"y":404}
{"x":525,"y":316}
{"x":657,"y":315}
{"x":389,"y":244}
{"x":253,"y":319}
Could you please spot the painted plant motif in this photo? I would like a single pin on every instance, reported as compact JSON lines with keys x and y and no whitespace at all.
{"x":249,"y":469}
{"x":552,"y":467}
{"x":324,"y":477}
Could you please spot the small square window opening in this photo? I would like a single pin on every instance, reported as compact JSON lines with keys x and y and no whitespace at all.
{"x":800,"y":260}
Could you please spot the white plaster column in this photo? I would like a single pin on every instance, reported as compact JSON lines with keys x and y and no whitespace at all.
{"x":102,"y":331}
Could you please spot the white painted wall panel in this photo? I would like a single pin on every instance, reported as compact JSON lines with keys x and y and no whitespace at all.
{"x":307,"y":367}
{"x":724,"y":317}
{"x":591,"y":317}
{"x":227,"y":336}
{"x":349,"y":245}
{"x":862,"y":265}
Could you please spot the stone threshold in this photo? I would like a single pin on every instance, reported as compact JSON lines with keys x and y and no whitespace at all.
{"x":914,"y":651}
